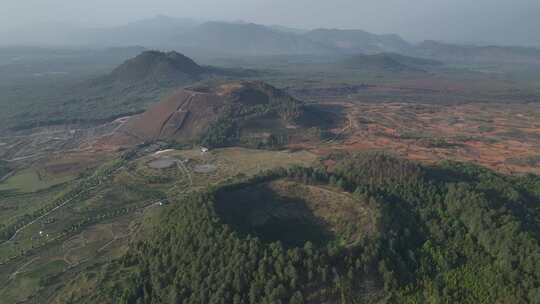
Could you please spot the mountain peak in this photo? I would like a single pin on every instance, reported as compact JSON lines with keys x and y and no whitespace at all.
{"x":157,"y":65}
{"x":358,"y":41}
{"x":193,"y":113}
{"x":390,"y":62}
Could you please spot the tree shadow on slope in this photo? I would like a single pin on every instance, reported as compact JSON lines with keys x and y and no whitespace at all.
{"x":259,"y":211}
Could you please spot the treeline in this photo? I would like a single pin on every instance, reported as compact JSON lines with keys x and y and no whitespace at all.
{"x":71,"y":230}
{"x":87,"y":182}
{"x":48,"y":122}
{"x":453,"y":233}
{"x":226,"y":130}
{"x":460,"y":233}
{"x":223,"y":132}
{"x":78,"y":191}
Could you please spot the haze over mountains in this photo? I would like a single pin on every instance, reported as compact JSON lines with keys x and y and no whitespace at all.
{"x":391,"y":62}
{"x":217,"y":38}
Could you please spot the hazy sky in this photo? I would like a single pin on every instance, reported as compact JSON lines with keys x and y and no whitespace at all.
{"x":501,"y":21}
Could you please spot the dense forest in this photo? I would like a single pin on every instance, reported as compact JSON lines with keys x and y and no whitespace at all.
{"x":254,"y":101}
{"x":451,"y":233}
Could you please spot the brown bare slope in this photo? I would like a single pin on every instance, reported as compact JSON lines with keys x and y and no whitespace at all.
{"x":188,"y":113}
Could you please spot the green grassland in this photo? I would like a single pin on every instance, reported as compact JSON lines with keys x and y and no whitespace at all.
{"x":16,"y":204}
{"x":30,"y":180}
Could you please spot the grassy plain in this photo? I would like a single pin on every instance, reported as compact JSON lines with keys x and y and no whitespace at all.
{"x":30,"y":180}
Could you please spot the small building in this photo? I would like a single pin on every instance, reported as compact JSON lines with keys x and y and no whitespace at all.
{"x":163,"y":151}
{"x":163,"y":202}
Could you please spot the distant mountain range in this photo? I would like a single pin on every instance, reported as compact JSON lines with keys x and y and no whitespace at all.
{"x":391,"y":62}
{"x":240,"y":39}
{"x":358,"y":41}
{"x":154,"y":32}
{"x":479,"y":54}
{"x":249,"y":39}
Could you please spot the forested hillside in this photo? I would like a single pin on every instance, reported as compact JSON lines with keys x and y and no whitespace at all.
{"x":454,"y":233}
